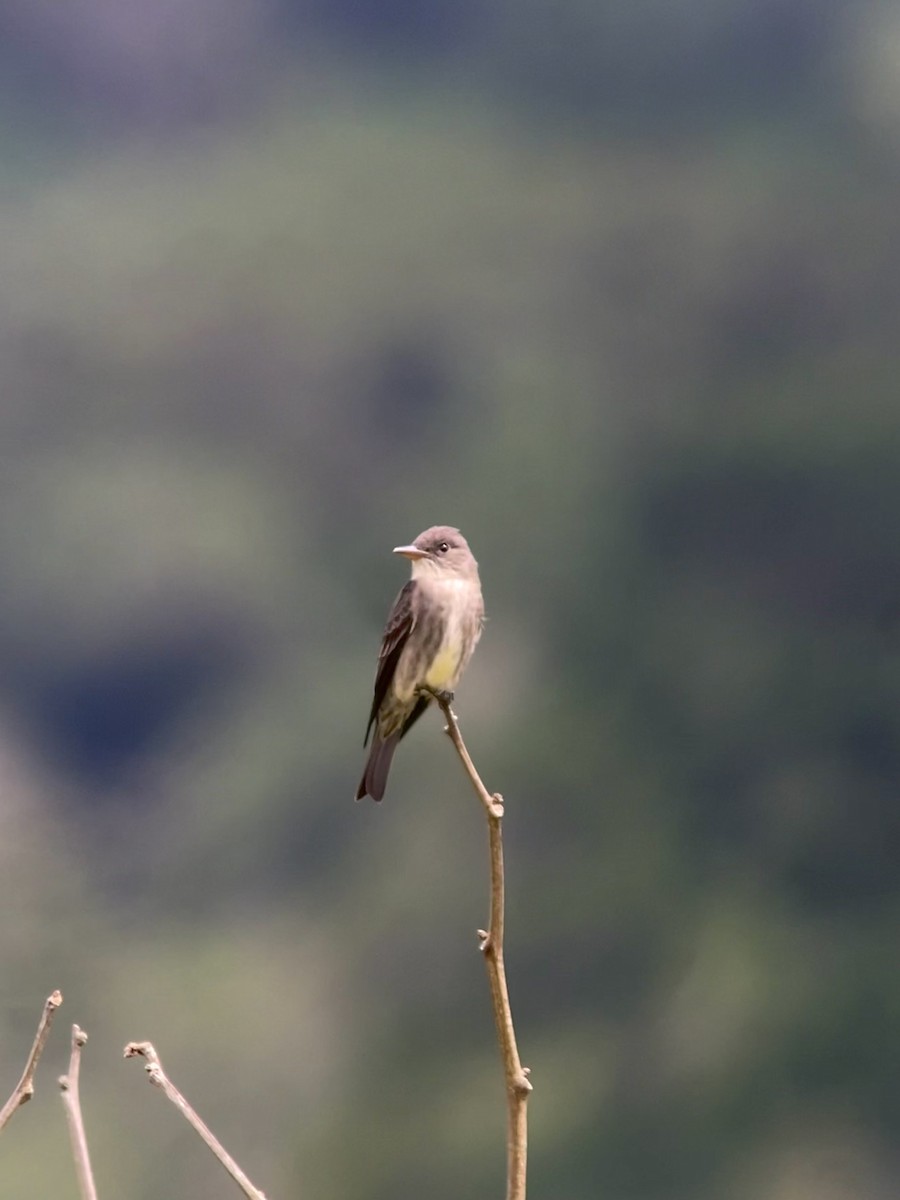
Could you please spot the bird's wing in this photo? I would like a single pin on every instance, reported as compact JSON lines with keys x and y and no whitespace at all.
{"x":400,"y":623}
{"x":422,"y":703}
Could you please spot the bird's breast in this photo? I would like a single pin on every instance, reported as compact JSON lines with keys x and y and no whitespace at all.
{"x":442,"y":643}
{"x":456,"y":643}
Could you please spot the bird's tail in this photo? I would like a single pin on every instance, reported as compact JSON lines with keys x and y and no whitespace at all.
{"x":377,"y":766}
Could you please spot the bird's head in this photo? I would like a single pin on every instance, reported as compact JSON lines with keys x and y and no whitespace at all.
{"x":441,"y":550}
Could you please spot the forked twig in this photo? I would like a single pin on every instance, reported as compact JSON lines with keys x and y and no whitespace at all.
{"x":24,"y":1089}
{"x":518,"y":1084}
{"x":157,"y":1076}
{"x":71,"y":1099}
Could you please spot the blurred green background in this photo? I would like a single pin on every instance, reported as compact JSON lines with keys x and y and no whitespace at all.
{"x":616,"y":289}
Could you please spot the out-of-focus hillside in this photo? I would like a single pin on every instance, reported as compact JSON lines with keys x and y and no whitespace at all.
{"x":616,"y":290}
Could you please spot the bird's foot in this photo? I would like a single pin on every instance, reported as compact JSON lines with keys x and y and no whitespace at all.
{"x":444,"y":699}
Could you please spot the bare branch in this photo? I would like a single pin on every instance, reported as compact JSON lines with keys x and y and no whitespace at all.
{"x":24,"y":1089}
{"x":518,"y":1084}
{"x":157,"y":1076}
{"x":71,"y":1099}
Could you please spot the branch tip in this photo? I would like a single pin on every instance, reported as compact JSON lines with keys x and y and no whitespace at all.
{"x":24,"y":1089}
{"x":142,"y":1050}
{"x":69,"y":1091}
{"x":155,"y":1073}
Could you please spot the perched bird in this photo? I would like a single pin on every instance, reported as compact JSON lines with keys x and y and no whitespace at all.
{"x":429,"y":637}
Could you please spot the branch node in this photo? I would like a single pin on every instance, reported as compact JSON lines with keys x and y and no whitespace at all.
{"x":484,"y":941}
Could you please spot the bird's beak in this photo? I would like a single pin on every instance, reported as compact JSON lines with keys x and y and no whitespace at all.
{"x":412,"y":552}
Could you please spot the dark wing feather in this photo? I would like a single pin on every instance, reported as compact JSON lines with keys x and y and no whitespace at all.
{"x":422,"y":703}
{"x":400,"y":623}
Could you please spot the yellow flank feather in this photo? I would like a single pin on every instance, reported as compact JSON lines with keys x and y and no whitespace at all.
{"x":443,"y":669}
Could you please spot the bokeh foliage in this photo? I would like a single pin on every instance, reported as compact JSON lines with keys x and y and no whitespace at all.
{"x":614,"y":288}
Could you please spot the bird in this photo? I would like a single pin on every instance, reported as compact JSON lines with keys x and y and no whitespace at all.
{"x":430,"y":634}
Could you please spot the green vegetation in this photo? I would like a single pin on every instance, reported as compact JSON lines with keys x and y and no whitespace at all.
{"x":616,"y":290}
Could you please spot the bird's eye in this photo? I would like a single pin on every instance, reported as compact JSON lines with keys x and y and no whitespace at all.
{"x":443,"y":547}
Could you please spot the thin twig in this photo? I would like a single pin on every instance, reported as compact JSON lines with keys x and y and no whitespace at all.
{"x":24,"y":1089}
{"x":157,"y":1076}
{"x":518,"y":1084}
{"x":70,"y":1097}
